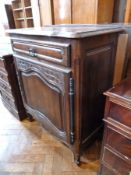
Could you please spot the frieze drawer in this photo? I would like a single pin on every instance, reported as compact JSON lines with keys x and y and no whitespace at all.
{"x":48,"y":51}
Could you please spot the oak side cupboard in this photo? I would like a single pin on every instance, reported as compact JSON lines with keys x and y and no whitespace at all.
{"x":63,"y":71}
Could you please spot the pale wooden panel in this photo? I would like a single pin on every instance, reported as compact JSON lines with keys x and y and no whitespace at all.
{"x":120,"y":57}
{"x":84,"y":11}
{"x":128,"y":12}
{"x":105,"y":11}
{"x":36,"y":13}
{"x":62,"y":11}
{"x":45,"y":12}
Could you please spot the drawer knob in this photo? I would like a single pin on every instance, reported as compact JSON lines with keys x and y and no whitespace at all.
{"x":32,"y":52}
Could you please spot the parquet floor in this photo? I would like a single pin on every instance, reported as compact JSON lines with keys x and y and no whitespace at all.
{"x":27,"y":149}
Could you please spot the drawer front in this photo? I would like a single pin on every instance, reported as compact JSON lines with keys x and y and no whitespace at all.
{"x":45,"y":92}
{"x":8,"y":100}
{"x":115,"y":162}
{"x":119,"y":142}
{"x":5,"y":87}
{"x":49,"y":51}
{"x":3,"y":76}
{"x":2,"y":66}
{"x":120,"y":114}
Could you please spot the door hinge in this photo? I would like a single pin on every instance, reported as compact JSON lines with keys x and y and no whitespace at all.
{"x":72,"y":119}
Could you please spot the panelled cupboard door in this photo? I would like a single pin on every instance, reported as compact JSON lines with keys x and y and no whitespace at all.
{"x":45,"y":95}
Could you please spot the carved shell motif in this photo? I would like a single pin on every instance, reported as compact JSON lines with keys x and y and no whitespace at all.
{"x":52,"y":76}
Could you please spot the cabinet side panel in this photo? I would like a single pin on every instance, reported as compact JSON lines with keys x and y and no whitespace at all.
{"x":97,"y":76}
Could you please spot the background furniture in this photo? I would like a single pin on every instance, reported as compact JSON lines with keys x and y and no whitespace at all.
{"x":75,"y":11}
{"x":127,"y":71}
{"x":26,"y":13}
{"x":116,"y":155}
{"x":119,"y":11}
{"x":128,"y":12}
{"x":10,"y":16}
{"x":30,"y":13}
{"x":122,"y":11}
{"x":9,"y":87}
{"x":63,"y":71}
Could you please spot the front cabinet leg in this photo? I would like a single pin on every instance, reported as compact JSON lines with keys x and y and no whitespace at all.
{"x":30,"y":118}
{"x":77,"y":159}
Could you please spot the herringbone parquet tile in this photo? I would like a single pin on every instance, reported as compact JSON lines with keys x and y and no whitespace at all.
{"x":27,"y":149}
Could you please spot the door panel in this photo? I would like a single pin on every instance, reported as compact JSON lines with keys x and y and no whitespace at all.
{"x":45,"y":95}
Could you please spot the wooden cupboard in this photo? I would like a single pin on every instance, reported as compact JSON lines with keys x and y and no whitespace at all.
{"x":76,"y":11}
{"x":62,"y":72}
{"x":9,"y":88}
{"x":128,"y":53}
{"x":115,"y":155}
{"x":122,"y":11}
{"x":128,"y":12}
{"x":94,"y":11}
{"x":26,"y":13}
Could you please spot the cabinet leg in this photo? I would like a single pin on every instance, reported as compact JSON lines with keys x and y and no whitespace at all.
{"x":77,"y":159}
{"x":30,"y":118}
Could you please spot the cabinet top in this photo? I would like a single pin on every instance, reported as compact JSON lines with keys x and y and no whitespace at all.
{"x":121,"y":91}
{"x":69,"y":31}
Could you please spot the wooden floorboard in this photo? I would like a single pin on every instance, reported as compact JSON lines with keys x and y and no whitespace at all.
{"x":27,"y":149}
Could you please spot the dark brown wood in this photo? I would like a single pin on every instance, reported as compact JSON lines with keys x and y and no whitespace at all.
{"x":48,"y":87}
{"x":119,"y":11}
{"x":9,"y":87}
{"x":127,"y":71}
{"x":10,"y":16}
{"x":116,"y":155}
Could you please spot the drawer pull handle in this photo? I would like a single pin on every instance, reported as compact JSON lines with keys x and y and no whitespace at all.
{"x":32,"y":52}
